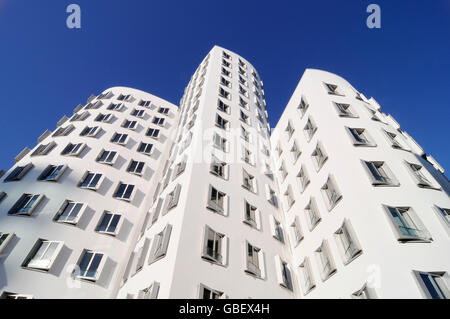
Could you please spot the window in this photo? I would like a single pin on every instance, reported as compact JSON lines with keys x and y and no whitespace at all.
{"x":225,"y":63}
{"x":129,"y":124}
{"x":332,"y":89}
{"x":26,"y":204}
{"x":138,"y":113}
{"x":290,"y":130}
{"x":242,"y":80}
{"x":160,"y":244}
{"x":380,"y":174}
{"x":284,"y":274}
{"x":325,"y":261}
{"x":180,"y":167}
{"x":347,"y":242}
{"x":73,"y":149}
{"x":225,"y":82}
{"x":242,"y":71}
{"x":295,"y":152}
{"x":163,"y":110}
{"x":271,"y":196}
{"x":158,"y":121}
{"x":144,"y":103}
{"x":91,"y":181}
{"x":303,"y":178}
{"x":433,"y":284}
{"x":136,"y":167}
{"x":220,"y":142}
{"x":107,"y":157}
{"x":277,"y":229}
{"x":420,"y":175}
{"x":283,"y":171}
{"x":145,"y":148}
{"x":120,"y":139}
{"x":64,"y":131}
{"x":10,"y":295}
{"x":213,"y":246}
{"x":217,"y":201}
{"x":5,"y":239}
{"x":373,"y":114}
{"x":90,"y":265}
{"x":253,"y":260}
{"x":150,"y":292}
{"x":250,"y":215}
{"x":109,"y":224}
{"x":319,"y":157}
{"x":360,"y":137}
{"x":172,"y":198}
{"x":289,"y":197}
{"x":344,"y":110}
{"x":43,"y":149}
{"x":247,"y":156}
{"x":153,"y":132}
{"x":226,"y":56}
{"x":218,"y":168}
{"x":406,"y":225}
{"x":365,"y":292}
{"x":331,"y":193}
{"x":245,"y":118}
{"x":243,"y":103}
{"x":224,"y":94}
{"x":243,"y":91}
{"x":115,"y":107}
{"x":70,"y":212}
{"x":222,"y":123}
{"x":248,"y":181}
{"x":223,"y":107}
{"x":297,"y":230}
{"x":105,"y":118}
{"x":105,"y":95}
{"x":309,"y":129}
{"x":242,"y":64}
{"x":2,"y":196}
{"x":80,"y":117}
{"x":124,"y":191}
{"x":394,"y":140}
{"x":312,"y":214}
{"x":52,"y":173}
{"x":303,"y":106}
{"x":245,"y":134}
{"x":208,"y":293}
{"x":306,"y":276}
{"x":43,"y":254}
{"x":90,"y":131}
{"x":18,"y":173}
{"x":444,"y":213}
{"x":226,"y":72}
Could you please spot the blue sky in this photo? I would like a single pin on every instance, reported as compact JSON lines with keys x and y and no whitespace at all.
{"x":47,"y":69}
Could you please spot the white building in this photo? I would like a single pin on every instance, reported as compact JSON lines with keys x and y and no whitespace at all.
{"x":133,"y":197}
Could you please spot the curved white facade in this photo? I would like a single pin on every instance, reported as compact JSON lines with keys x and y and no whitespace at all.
{"x":204,"y":201}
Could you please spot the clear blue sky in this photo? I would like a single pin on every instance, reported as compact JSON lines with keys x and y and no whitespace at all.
{"x":47,"y":69}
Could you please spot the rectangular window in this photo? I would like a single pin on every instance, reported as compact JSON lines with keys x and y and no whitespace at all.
{"x":144,"y":103}
{"x":312,"y":214}
{"x":406,"y":225}
{"x":44,"y":149}
{"x":271,"y":196}
{"x":120,"y":139}
{"x":105,"y":118}
{"x":247,"y":156}
{"x":150,"y":292}
{"x":158,"y":121}
{"x":107,"y":157}
{"x":303,"y":106}
{"x":309,"y":129}
{"x":225,"y":82}
{"x":73,"y":149}
{"x":115,"y":107}
{"x":80,"y":117}
{"x":52,"y":173}
{"x":224,"y":94}
{"x":91,"y":181}
{"x":163,"y":110}
{"x":253,"y":260}
{"x":153,"y":132}
{"x":248,"y":181}
{"x":5,"y":239}
{"x":129,"y":124}
{"x":303,"y":178}
{"x":285,"y":278}
{"x":345,"y":110}
{"x":26,"y":204}
{"x":90,"y":265}
{"x":70,"y":212}
{"x":222,"y":123}
{"x":90,"y":131}
{"x":360,"y":137}
{"x":297,"y":230}
{"x":243,"y":103}
{"x":331,"y":193}
{"x":18,"y":173}
{"x":145,"y":148}
{"x":277,"y":229}
{"x":218,"y":168}
{"x":444,"y":213}
{"x":250,"y":213}
{"x":213,"y":246}
{"x":223,"y":107}
{"x":290,"y":130}
{"x":64,"y":131}
{"x":347,"y":242}
{"x":394,"y":140}
{"x":43,"y":254}
{"x":124,"y":97}
{"x":220,"y":142}
{"x":245,"y":118}
{"x":433,"y":284}
{"x":306,"y":276}
{"x":109,"y":224}
{"x":295,"y":152}
{"x":332,"y":89}
{"x":289,"y":197}
{"x":380,"y":174}
{"x":173,"y":197}
{"x":160,"y":244}
{"x":217,"y":201}
{"x":420,"y":175}
{"x":283,"y":171}
{"x":136,"y":167}
{"x":208,"y":293}
{"x":325,"y":261}
{"x":319,"y":157}
{"x":124,"y":191}
{"x":138,"y":113}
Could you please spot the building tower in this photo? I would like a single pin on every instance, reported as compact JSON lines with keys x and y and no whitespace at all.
{"x":368,"y":210}
{"x":71,"y":207}
{"x":215,"y":220}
